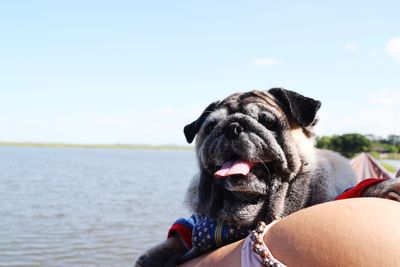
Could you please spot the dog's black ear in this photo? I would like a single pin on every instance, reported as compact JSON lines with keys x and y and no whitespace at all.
{"x":192,"y":129}
{"x":303,"y":109}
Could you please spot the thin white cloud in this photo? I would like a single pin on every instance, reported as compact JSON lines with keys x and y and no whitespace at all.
{"x":266,"y":62}
{"x":350,"y":47}
{"x":393,"y":48}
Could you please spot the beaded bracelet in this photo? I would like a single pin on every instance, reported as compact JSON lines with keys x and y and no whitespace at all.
{"x":259,"y":247}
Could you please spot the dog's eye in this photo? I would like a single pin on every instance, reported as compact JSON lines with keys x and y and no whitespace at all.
{"x":209,"y":127}
{"x":267,"y":121}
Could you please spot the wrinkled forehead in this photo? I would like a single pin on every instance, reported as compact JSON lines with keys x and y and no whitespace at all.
{"x":250,"y":103}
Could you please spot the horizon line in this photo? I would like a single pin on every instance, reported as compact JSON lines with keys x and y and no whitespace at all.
{"x":94,"y":145}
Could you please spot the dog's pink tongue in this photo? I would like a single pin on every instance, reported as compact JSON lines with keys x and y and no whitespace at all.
{"x":232,"y":167}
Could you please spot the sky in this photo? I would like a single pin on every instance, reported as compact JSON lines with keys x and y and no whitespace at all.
{"x":136,"y":72}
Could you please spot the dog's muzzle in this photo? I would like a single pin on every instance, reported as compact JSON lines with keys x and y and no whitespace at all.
{"x":233,"y":130}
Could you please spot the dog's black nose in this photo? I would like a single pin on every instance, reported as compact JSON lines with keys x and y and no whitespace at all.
{"x":233,"y":130}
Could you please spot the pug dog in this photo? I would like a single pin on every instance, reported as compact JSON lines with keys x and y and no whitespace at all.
{"x":257,"y":162}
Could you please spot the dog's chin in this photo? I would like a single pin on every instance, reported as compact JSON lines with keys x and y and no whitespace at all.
{"x":241,"y":207}
{"x":245,"y":188}
{"x":245,"y":197}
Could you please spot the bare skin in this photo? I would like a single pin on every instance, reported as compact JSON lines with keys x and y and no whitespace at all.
{"x":352,"y":232}
{"x":228,"y":255}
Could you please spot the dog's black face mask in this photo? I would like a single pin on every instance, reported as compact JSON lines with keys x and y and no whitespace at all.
{"x":246,"y":152}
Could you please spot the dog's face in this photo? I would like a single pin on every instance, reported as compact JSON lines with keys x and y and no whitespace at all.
{"x":248,"y":146}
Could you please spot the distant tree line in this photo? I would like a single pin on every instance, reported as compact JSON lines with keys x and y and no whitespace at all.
{"x":354,"y":143}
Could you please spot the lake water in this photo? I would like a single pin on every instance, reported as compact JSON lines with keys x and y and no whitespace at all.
{"x":88,"y":207}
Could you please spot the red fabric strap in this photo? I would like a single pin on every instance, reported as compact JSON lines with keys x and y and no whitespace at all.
{"x":356,"y":191}
{"x":184,"y":233}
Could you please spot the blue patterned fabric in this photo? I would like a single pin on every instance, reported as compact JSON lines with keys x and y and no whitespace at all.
{"x":208,"y":235}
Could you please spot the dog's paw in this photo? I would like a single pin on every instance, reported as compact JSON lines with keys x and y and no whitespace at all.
{"x":164,"y":254}
{"x":389,"y":189}
{"x":146,"y":261}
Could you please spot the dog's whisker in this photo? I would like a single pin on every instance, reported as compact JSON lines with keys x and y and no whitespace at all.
{"x":265,"y":165}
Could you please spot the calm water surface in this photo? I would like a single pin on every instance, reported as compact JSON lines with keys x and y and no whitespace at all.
{"x":88,"y":207}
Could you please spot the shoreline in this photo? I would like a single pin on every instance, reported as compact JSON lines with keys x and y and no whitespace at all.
{"x":99,"y":146}
{"x":377,"y":156}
